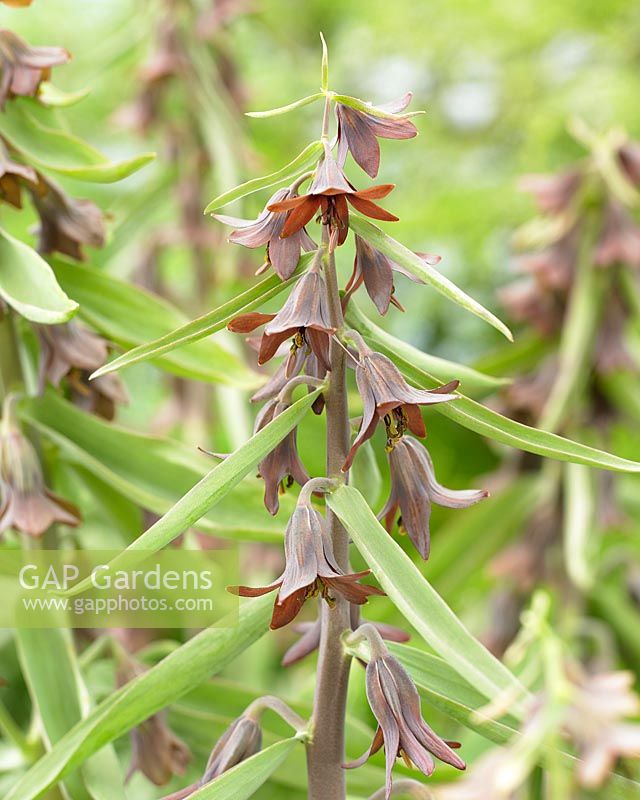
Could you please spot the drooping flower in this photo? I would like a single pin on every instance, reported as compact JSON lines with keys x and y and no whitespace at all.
{"x":553,"y":267}
{"x":596,"y":722}
{"x":402,"y":731}
{"x":386,"y":395}
{"x":25,"y":502}
{"x":282,"y":466}
{"x":525,"y":301}
{"x":552,"y":193}
{"x":304,"y":317}
{"x":74,"y":351}
{"x":329,"y":194}
{"x":17,"y":3}
{"x":414,"y":488}
{"x":241,"y":740}
{"x":66,"y":224}
{"x":619,"y":242}
{"x":375,"y":270}
{"x":358,"y":131}
{"x":155,"y":750}
{"x":629,"y":158}
{"x":12,"y":177}
{"x":310,"y":570}
{"x":282,"y":253}
{"x":23,"y":68}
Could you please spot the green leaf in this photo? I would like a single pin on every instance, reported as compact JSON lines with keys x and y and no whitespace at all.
{"x":305,"y":160}
{"x":61,"y":698}
{"x":129,"y":315}
{"x":50,"y":95}
{"x":578,"y":525}
{"x":407,"y":357}
{"x":324,"y":71}
{"x":518,"y":358}
{"x":240,"y":782}
{"x":203,"y":656}
{"x":457,"y":542}
{"x":578,"y":331}
{"x":151,"y":471}
{"x":443,"y":688}
{"x":368,"y":108}
{"x":417,"y":600}
{"x":28,"y":285}
{"x":404,"y":257}
{"x":215,"y":485}
{"x":482,"y":420}
{"x":209,"y":323}
{"x":274,"y":112}
{"x":57,"y":151}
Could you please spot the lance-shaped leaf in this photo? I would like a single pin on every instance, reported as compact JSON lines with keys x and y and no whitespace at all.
{"x":50,"y":95}
{"x":478,"y":418}
{"x":418,"y":602}
{"x":368,"y":108}
{"x":578,"y":525}
{"x":275,"y":112}
{"x":474,"y":382}
{"x":151,"y":471}
{"x":54,"y":150}
{"x":128,"y":315}
{"x":215,"y":485}
{"x":416,"y":266}
{"x":243,"y":780}
{"x":29,"y":286}
{"x":209,"y":323}
{"x":578,"y":332}
{"x":203,"y":656}
{"x":304,"y":161}
{"x":61,"y":699}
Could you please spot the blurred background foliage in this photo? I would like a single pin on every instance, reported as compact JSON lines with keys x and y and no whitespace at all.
{"x":498,"y":80}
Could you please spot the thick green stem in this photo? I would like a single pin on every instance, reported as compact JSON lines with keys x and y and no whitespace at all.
{"x":325,"y":753}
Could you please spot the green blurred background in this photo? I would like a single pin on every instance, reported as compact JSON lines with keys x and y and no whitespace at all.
{"x":498,"y":80}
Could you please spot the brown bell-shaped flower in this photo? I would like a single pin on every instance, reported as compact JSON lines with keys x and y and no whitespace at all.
{"x":304,"y":318}
{"x":74,"y":351}
{"x":628,"y":155}
{"x":282,"y":253}
{"x":12,"y":178}
{"x":26,"y":504}
{"x":310,"y":570}
{"x":402,"y":731}
{"x":375,"y":270}
{"x":66,"y":224}
{"x":329,"y":194}
{"x":552,"y":193}
{"x":282,"y":466}
{"x":598,"y":722}
{"x":414,"y":488}
{"x":241,"y":740}
{"x":386,"y":395}
{"x":23,"y":68}
{"x":553,"y":267}
{"x":155,"y":750}
{"x":619,"y":241}
{"x":359,"y":131}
